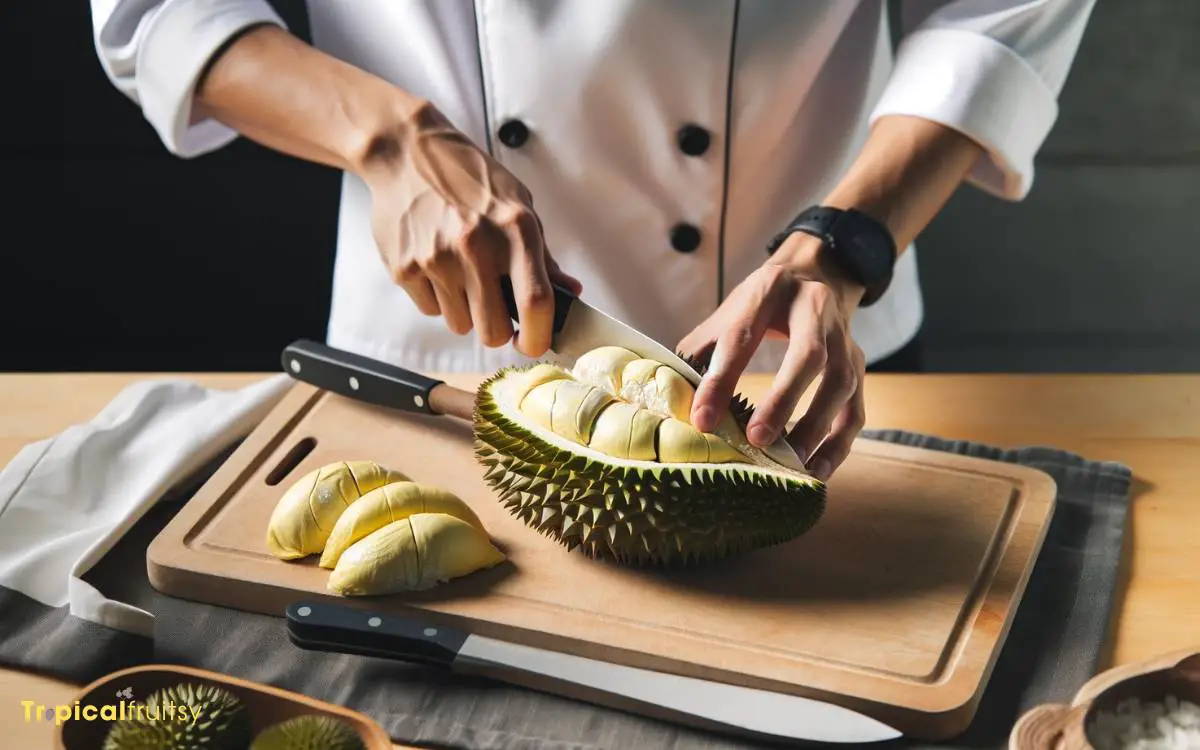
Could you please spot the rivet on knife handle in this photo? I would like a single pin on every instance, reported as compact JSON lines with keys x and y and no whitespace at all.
{"x":562,"y":302}
{"x":362,"y":378}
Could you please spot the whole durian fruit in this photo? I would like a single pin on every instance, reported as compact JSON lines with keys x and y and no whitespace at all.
{"x":184,"y":717}
{"x":307,"y":512}
{"x":311,"y":732}
{"x":603,"y":457}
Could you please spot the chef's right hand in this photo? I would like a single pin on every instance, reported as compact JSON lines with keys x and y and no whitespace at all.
{"x":450,"y":222}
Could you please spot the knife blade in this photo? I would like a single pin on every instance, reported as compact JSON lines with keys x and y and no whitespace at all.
{"x":578,"y":328}
{"x":317,"y":626}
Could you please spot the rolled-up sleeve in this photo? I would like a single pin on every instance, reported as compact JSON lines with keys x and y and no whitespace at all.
{"x":992,"y":71}
{"x":154,"y":51}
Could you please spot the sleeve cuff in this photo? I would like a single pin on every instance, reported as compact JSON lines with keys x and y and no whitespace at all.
{"x":176,"y":46}
{"x":981,"y":88}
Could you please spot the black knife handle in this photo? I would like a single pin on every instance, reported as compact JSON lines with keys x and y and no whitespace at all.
{"x":335,"y":628}
{"x":354,"y":376}
{"x":562,"y":303}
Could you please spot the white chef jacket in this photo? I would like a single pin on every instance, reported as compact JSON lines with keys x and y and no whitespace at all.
{"x":786,"y":90}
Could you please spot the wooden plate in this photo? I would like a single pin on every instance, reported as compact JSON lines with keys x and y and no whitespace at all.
{"x":1056,"y":726}
{"x":265,"y":704}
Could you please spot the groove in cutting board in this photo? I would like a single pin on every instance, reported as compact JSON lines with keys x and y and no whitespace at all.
{"x":896,"y":604}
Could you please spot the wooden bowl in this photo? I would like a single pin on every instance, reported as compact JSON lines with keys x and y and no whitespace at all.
{"x":1061,"y":727}
{"x":266,"y":705}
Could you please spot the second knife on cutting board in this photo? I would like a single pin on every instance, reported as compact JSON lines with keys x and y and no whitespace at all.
{"x":336,"y":628}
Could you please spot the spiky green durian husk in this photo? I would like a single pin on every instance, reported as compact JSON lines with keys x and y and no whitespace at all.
{"x":223,"y":723}
{"x":312,"y":732}
{"x":644,"y":514}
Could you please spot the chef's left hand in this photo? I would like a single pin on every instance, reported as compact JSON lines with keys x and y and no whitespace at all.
{"x":794,"y":295}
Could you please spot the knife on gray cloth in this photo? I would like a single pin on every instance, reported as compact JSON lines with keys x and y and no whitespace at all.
{"x":319,"y":626}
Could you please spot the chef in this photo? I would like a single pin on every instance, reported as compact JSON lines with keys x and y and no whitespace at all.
{"x":742,"y":180}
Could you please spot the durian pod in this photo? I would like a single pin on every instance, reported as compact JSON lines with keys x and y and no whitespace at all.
{"x":306,"y":514}
{"x":604,"y":458}
{"x":413,"y":554}
{"x":383,"y":505}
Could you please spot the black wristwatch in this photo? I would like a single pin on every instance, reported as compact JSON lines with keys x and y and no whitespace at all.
{"x":860,"y":245}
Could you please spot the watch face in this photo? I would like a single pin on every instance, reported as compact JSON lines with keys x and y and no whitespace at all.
{"x":868,"y":249}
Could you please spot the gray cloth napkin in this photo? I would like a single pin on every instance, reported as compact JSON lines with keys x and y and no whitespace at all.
{"x":1052,"y":649}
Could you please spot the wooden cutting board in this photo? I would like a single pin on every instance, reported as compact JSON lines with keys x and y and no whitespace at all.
{"x":895,"y":605}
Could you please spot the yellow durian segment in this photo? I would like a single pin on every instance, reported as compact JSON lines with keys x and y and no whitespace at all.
{"x":575,"y":407}
{"x":626,"y":431}
{"x":674,"y":394}
{"x":680,"y":442}
{"x":602,"y":367}
{"x":637,"y":375}
{"x":384,"y":505}
{"x":538,"y":404}
{"x":610,"y":434}
{"x":450,"y":548}
{"x":307,"y":512}
{"x":641,"y":436}
{"x":413,"y":554}
{"x":721,"y":452}
{"x":535,"y":376}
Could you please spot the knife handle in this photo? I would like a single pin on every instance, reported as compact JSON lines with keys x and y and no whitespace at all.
{"x":371,"y":381}
{"x":562,"y":303}
{"x":339,"y":629}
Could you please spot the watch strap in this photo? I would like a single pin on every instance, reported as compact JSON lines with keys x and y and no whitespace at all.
{"x":860,"y":245}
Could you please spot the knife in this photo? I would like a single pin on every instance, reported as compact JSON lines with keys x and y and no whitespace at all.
{"x":315,"y":626}
{"x":577,"y":329}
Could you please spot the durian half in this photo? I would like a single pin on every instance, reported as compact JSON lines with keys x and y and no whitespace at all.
{"x":603,"y":457}
{"x":184,"y":717}
{"x":308,"y":732}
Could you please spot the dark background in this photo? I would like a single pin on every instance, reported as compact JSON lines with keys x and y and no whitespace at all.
{"x":125,"y":257}
{"x":119,"y":256}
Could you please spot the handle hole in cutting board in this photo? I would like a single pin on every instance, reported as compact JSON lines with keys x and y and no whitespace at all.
{"x":291,"y":460}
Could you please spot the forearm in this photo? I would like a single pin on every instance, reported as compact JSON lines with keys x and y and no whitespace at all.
{"x":907,"y":170}
{"x":288,"y":96}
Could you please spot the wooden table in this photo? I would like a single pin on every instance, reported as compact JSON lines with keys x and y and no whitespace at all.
{"x":1149,"y":422}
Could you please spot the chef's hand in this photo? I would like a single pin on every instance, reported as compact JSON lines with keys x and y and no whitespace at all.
{"x":794,"y":295}
{"x":450,"y":222}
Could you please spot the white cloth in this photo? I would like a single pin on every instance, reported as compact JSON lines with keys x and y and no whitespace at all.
{"x":788,"y":90}
{"x":65,"y":501}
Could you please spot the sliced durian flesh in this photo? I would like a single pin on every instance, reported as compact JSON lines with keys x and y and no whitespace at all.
{"x":305,"y":515}
{"x":625,"y":474}
{"x":384,"y":505}
{"x":618,"y":403}
{"x":413,"y":554}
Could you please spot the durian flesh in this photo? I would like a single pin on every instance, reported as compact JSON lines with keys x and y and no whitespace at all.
{"x":413,"y":554}
{"x":387,"y":504}
{"x":604,"y":457}
{"x":307,"y":512}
